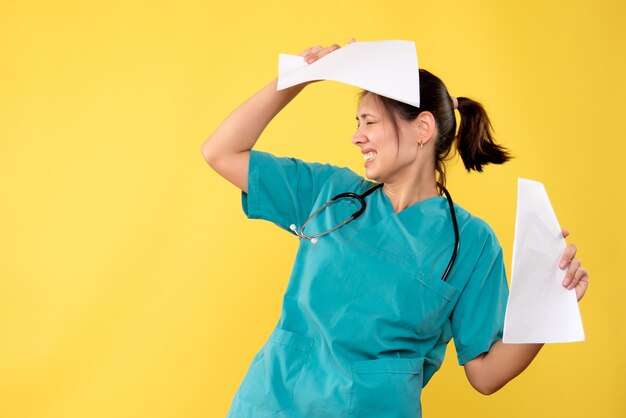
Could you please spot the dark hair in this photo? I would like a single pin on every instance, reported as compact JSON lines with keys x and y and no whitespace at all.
{"x":474,"y":140}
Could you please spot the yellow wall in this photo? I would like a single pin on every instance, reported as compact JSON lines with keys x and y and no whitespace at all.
{"x":122,"y":287}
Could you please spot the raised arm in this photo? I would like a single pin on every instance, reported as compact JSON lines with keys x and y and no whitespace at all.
{"x":227,"y":150}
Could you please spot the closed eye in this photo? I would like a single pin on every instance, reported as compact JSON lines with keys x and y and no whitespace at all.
{"x":366,"y":122}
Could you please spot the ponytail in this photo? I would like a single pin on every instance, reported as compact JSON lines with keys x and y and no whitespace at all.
{"x":474,"y":140}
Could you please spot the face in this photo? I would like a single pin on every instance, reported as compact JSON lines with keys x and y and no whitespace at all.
{"x":389,"y":155}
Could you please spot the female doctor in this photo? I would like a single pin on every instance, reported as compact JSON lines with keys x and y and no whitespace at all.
{"x":372,"y":303}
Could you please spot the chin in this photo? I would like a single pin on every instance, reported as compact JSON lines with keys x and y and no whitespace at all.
{"x":372,"y":175}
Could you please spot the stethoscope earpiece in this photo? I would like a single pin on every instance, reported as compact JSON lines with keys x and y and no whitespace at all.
{"x":302,"y":234}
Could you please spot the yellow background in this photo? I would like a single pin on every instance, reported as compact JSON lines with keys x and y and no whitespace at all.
{"x":131,"y":284}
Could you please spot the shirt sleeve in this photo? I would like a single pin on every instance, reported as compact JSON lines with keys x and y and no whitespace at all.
{"x":283,"y":190}
{"x":478,"y":317}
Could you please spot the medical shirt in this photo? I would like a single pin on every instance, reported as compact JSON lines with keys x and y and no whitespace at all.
{"x":366,"y":317}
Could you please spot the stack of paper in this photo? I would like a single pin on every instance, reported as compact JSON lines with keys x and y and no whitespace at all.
{"x":388,"y":68}
{"x":540,"y":309}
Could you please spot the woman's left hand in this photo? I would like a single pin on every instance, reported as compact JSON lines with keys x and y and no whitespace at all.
{"x":576,"y":276}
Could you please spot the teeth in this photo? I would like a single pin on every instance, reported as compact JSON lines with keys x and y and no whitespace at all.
{"x":369,"y":156}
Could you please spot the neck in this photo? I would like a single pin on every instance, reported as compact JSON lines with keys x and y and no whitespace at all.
{"x":415,"y":183}
{"x":404,"y":194}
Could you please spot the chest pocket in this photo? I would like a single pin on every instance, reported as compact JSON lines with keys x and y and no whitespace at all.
{"x":426,"y":301}
{"x":429,"y":303}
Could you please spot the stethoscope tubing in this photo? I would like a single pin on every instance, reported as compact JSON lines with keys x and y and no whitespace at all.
{"x":457,"y":240}
{"x":361,"y":198}
{"x":356,"y":214}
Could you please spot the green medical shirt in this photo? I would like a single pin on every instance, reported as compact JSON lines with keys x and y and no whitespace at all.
{"x":366,"y":317}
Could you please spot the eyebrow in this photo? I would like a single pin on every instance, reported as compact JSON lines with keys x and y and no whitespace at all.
{"x":364,"y":115}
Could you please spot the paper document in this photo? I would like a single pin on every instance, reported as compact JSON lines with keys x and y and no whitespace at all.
{"x":540,"y":309}
{"x":388,"y":68}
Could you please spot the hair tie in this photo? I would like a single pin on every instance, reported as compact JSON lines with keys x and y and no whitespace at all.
{"x":455,"y":102}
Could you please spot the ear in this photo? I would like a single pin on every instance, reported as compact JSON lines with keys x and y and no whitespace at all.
{"x":426,"y":128}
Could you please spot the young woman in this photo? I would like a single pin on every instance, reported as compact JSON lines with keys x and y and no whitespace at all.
{"x":374,"y":299}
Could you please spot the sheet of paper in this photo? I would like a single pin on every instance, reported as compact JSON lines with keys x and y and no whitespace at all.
{"x":539,"y":309}
{"x":388,"y":68}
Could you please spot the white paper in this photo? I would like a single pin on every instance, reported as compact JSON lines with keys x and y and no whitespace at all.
{"x":539,"y":309}
{"x":387,"y":68}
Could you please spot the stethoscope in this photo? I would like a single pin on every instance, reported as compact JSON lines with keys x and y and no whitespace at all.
{"x":362,"y":205}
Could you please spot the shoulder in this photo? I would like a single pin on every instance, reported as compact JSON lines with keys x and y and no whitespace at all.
{"x":329,"y":176}
{"x":347,"y":180}
{"x":477,"y":232}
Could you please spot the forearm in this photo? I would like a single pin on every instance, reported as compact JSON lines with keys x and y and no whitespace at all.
{"x":492,"y":370}
{"x":242,"y":128}
{"x":227,"y":150}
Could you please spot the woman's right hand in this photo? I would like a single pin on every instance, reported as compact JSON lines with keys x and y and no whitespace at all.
{"x":316,"y":52}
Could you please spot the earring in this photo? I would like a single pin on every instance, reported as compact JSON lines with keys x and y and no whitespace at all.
{"x":421,"y":145}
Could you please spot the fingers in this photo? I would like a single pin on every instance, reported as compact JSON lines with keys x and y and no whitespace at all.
{"x":568,"y":255}
{"x":316,"y":52}
{"x":312,"y":50}
{"x":576,"y":278}
{"x":326,"y":51}
{"x":572,"y":276}
{"x":583,"y":283}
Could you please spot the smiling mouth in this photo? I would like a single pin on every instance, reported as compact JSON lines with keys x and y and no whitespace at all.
{"x":370,"y":156}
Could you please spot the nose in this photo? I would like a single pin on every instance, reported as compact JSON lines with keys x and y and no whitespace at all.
{"x":358,"y":138}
